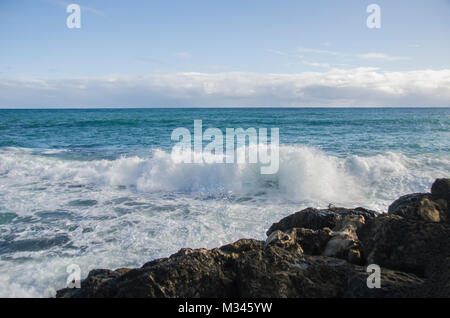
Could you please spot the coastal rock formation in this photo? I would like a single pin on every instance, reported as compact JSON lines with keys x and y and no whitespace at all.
{"x":404,"y":244}
{"x":246,"y":268}
{"x":419,"y":206}
{"x":312,"y":253}
{"x":440,"y":192}
{"x":315,"y":219}
{"x":344,"y":242}
{"x":432,"y":207}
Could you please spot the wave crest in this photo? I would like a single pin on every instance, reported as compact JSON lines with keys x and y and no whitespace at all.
{"x":305,"y":173}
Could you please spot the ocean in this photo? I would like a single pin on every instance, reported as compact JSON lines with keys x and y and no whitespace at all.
{"x":98,"y":187}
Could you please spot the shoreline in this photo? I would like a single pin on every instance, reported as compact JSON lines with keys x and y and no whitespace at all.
{"x":311,"y":253}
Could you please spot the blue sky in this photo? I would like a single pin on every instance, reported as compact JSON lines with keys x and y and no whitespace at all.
{"x":224,"y":53}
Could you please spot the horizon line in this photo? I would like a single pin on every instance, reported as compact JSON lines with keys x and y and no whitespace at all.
{"x":216,"y":107}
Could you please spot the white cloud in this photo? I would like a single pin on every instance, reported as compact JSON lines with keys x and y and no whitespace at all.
{"x":336,"y":87}
{"x":381,"y":56}
{"x":375,"y":56}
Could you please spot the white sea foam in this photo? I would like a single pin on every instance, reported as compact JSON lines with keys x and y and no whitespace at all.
{"x":124,"y":212}
{"x":305,"y":174}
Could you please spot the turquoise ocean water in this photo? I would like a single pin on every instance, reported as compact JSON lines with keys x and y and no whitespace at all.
{"x":98,"y":188}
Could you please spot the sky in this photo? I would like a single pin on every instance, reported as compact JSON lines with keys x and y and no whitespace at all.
{"x":216,"y":53}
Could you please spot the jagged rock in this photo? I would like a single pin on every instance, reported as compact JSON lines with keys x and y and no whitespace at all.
{"x":274,"y":272}
{"x":440,"y":192}
{"x":404,"y":244}
{"x":313,"y":242}
{"x":315,"y":219}
{"x":394,"y":284}
{"x":284,"y":240}
{"x":344,"y":242}
{"x":312,"y":226}
{"x":419,"y":206}
{"x":308,"y":218}
{"x":301,"y":240}
{"x":96,"y":278}
{"x":187,"y":273}
{"x":246,"y":268}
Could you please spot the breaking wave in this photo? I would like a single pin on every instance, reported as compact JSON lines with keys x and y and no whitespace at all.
{"x":305,"y":174}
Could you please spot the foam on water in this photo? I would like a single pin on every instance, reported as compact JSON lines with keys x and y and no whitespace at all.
{"x":305,"y":173}
{"x":124,"y":212}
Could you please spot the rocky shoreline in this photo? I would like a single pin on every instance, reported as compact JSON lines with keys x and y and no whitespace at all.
{"x":312,"y":253}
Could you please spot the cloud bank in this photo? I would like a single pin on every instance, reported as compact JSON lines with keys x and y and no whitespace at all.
{"x":359,"y":87}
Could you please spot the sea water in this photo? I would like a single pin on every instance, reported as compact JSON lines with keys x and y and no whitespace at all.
{"x":98,"y":187}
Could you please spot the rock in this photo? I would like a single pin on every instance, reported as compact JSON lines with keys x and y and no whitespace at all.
{"x":313,"y":242}
{"x":419,"y":206}
{"x":308,"y":218}
{"x":430,"y":211}
{"x":284,"y":240}
{"x":438,"y":282}
{"x":394,"y":284}
{"x":344,"y":242}
{"x":315,"y":219}
{"x":301,"y":240}
{"x":440,"y":192}
{"x":246,"y":268}
{"x":187,"y":273}
{"x":95,"y":279}
{"x":341,"y":242}
{"x":311,"y":231}
{"x":273,"y":272}
{"x":404,"y":244}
